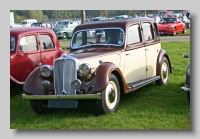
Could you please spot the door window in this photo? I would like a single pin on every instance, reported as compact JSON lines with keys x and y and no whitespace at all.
{"x":28,"y":43}
{"x":46,"y":42}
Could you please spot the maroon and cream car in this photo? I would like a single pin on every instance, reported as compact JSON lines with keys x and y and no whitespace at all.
{"x":28,"y":47}
{"x":122,"y":56}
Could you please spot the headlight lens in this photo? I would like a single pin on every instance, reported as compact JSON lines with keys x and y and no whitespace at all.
{"x":84,"y":69}
{"x":188,"y":71}
{"x":46,"y":70}
{"x":76,"y":84}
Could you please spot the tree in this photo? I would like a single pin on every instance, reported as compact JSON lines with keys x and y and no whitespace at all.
{"x":83,"y":16}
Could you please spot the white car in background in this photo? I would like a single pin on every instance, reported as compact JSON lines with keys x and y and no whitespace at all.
{"x":15,"y":25}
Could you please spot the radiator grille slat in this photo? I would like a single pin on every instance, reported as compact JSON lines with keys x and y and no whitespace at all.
{"x":64,"y":74}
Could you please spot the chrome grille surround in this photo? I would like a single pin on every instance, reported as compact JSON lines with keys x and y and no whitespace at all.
{"x":65,"y":71}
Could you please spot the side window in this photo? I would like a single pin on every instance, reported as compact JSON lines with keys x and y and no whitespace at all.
{"x":156,"y":30}
{"x":147,"y":31}
{"x":28,"y":43}
{"x":134,"y":34}
{"x":46,"y":42}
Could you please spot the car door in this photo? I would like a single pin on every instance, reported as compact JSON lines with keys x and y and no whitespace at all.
{"x":28,"y":56}
{"x":48,"y":49}
{"x":135,"y":59}
{"x":152,"y":47}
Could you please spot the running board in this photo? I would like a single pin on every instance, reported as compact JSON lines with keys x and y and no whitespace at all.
{"x":137,"y":85}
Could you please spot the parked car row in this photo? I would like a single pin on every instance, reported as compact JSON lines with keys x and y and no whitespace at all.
{"x":102,"y":64}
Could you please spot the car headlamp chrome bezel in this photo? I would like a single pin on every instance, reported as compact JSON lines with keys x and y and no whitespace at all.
{"x":76,"y":84}
{"x":46,"y":70}
{"x":84,"y":69}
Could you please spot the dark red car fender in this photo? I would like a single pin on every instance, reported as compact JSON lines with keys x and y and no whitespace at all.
{"x":162,"y":54}
{"x":33,"y":83}
{"x":101,"y":79}
{"x":61,"y":52}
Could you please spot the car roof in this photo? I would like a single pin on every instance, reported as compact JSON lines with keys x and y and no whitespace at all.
{"x":22,"y":30}
{"x":122,"y":22}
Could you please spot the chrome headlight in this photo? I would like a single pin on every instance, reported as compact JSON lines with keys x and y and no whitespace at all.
{"x":188,"y":71}
{"x":46,"y":70}
{"x":76,"y":84}
{"x":84,"y":69}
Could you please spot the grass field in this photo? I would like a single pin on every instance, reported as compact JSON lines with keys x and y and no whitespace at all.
{"x":151,"y":107}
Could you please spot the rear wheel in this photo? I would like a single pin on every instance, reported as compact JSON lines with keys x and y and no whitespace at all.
{"x":40,"y":106}
{"x":65,"y":36}
{"x":164,"y":73}
{"x":184,"y":30}
{"x":110,"y":97}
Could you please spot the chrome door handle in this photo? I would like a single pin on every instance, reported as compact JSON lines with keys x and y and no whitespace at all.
{"x":127,"y":54}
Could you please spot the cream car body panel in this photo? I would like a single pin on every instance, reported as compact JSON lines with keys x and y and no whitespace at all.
{"x":152,"y":52}
{"x":134,"y":68}
{"x":94,"y":62}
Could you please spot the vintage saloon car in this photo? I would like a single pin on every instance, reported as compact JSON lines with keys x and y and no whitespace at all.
{"x":103,"y":67}
{"x":28,"y":47}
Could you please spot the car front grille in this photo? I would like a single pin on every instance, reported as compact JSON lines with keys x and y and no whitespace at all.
{"x":64,"y":74}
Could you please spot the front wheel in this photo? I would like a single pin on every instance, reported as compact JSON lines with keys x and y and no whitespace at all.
{"x":110,"y":97}
{"x":174,"y":32}
{"x":164,"y":73}
{"x":40,"y":106}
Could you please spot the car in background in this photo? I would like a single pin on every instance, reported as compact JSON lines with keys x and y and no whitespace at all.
{"x":98,"y":19}
{"x":171,"y":26}
{"x":28,"y":47}
{"x":65,"y":28}
{"x":185,"y":20}
{"x":186,"y":87}
{"x":16,"y":25}
{"x":43,"y":24}
{"x":156,"y":18}
{"x":102,"y":68}
{"x":28,"y":22}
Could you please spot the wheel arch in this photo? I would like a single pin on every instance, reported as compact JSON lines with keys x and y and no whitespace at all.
{"x":102,"y":76}
{"x":162,"y":54}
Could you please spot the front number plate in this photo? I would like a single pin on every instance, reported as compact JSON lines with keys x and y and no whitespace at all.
{"x":62,"y":103}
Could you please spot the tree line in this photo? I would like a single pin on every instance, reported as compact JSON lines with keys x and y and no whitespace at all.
{"x":48,"y":15}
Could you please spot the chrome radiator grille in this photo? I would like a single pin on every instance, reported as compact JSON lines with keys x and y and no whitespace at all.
{"x":64,"y":74}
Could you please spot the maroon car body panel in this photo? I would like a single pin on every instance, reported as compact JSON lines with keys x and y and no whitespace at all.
{"x":23,"y":63}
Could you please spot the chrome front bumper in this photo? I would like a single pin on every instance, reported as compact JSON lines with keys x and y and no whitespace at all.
{"x":61,"y":97}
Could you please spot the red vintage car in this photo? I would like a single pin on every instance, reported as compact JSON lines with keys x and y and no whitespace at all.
{"x":171,"y":26}
{"x":30,"y":46}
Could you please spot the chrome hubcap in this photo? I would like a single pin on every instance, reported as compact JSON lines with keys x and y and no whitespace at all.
{"x":111,"y":95}
{"x":164,"y":72}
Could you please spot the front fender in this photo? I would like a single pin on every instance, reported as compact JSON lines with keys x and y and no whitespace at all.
{"x":101,"y":78}
{"x":161,"y":54}
{"x":33,"y":83}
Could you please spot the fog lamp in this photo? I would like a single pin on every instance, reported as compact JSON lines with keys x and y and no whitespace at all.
{"x":76,"y":84}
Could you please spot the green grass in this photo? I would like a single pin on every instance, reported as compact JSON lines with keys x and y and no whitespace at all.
{"x":151,"y":107}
